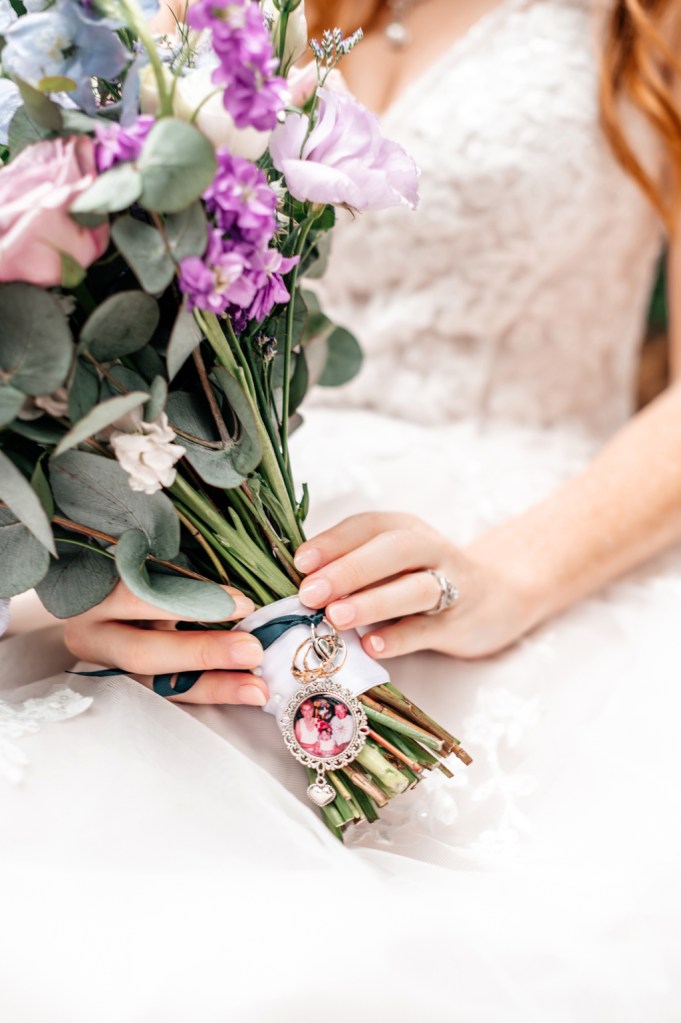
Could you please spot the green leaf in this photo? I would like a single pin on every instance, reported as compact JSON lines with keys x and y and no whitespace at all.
{"x":122,"y":324}
{"x":23,"y":559}
{"x":102,"y":415}
{"x":344,"y":359}
{"x":42,"y":487}
{"x":177,"y":164}
{"x":300,"y":315}
{"x":42,"y":431}
{"x":127,"y":378}
{"x":35,"y":341}
{"x":158,"y":394}
{"x":11,"y":401}
{"x":185,"y":336}
{"x":24,"y":131}
{"x":84,"y":390}
{"x":187,"y":232}
{"x":113,"y":191}
{"x":215,"y":465}
{"x":39,"y":108}
{"x":250,"y":450}
{"x":56,"y":83}
{"x":94,"y":491}
{"x":21,"y":498}
{"x":142,"y":246}
{"x":187,"y":598}
{"x":72,"y":273}
{"x":77,"y":581}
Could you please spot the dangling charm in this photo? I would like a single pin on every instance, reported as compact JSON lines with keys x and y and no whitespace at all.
{"x":324,"y":725}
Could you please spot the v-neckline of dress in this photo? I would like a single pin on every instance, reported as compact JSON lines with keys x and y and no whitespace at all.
{"x":458,"y":45}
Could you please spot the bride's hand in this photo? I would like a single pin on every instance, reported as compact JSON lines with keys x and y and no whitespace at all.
{"x":124,"y":632}
{"x":372,"y":569}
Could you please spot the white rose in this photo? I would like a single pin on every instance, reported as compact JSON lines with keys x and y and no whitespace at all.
{"x":195,"y":91}
{"x":146,"y":451}
{"x":296,"y":32}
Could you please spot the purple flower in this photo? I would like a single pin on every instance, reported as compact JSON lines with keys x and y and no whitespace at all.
{"x":253,"y":93}
{"x":269,"y":265}
{"x":241,"y":200}
{"x":219,"y":280}
{"x":345,"y":160}
{"x":116,"y":144}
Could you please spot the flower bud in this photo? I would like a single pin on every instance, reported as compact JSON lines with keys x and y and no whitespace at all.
{"x":296,"y":32}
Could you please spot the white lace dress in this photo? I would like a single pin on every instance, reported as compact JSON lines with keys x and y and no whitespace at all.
{"x":155,"y":859}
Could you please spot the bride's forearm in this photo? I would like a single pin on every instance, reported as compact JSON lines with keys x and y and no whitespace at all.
{"x":624,"y":508}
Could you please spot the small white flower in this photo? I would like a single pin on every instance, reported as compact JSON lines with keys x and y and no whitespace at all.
{"x":146,"y":451}
{"x":56,"y":405}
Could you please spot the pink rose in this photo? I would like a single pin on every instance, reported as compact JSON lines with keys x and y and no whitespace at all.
{"x":36,"y":192}
{"x":345,"y":160}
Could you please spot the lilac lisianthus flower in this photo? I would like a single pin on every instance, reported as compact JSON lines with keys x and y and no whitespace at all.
{"x":241,"y":200}
{"x":345,"y":160}
{"x":117,"y":144}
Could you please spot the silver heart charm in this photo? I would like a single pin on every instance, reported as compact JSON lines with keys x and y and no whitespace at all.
{"x":321,"y":793}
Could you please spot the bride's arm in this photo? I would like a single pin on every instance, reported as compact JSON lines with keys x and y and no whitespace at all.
{"x":624,"y":508}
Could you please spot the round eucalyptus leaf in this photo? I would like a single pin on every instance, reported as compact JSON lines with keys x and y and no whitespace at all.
{"x":11,"y":401}
{"x":344,"y":359}
{"x":187,"y":232}
{"x":24,"y":131}
{"x":122,"y":324}
{"x":185,"y":336}
{"x":79,"y":579}
{"x":101,"y":416}
{"x":95,"y":492}
{"x":158,"y":394}
{"x":112,"y":191}
{"x":177,"y":164}
{"x":35,"y":341}
{"x":142,"y":246}
{"x":84,"y":390}
{"x":23,"y":559}
{"x":22,"y":500}
{"x":189,"y":599}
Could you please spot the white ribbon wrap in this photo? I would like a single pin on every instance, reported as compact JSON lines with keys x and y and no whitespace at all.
{"x":359,"y":673}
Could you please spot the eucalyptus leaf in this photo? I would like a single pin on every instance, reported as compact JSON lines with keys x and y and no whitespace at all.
{"x":185,"y":336}
{"x":35,"y":341}
{"x":112,"y":191}
{"x":122,"y":324}
{"x":72,"y":273}
{"x":148,"y":362}
{"x":187,"y":598}
{"x":11,"y":401}
{"x":177,"y":164}
{"x":129,"y":380}
{"x":102,"y":415}
{"x":215,"y":465}
{"x":23,"y":560}
{"x":24,"y":131}
{"x":21,"y":498}
{"x":344,"y":358}
{"x":84,"y":390}
{"x":94,"y":491}
{"x":81,"y":578}
{"x":187,"y":232}
{"x":144,"y":249}
{"x":39,"y":108}
{"x":43,"y":431}
{"x":250,"y":449}
{"x":42,"y":487}
{"x":158,"y":394}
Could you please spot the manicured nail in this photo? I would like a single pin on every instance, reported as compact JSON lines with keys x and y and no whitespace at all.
{"x":315,"y":592}
{"x":308,"y":560}
{"x":341,"y":614}
{"x":377,"y":644}
{"x":251,"y":696}
{"x":247,"y":653}
{"x":242,"y":605}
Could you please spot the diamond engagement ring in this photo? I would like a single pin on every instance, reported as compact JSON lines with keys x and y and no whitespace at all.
{"x":449,"y":593}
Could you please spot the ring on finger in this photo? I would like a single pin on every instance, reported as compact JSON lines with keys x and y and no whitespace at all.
{"x":449,"y":593}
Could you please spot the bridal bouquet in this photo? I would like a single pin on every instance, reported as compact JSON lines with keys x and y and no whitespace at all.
{"x":162,"y":199}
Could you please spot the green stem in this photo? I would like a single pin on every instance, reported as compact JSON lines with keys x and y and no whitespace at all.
{"x":138,"y":22}
{"x":288,"y":339}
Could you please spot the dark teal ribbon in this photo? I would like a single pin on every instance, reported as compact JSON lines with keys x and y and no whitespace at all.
{"x":270,"y":632}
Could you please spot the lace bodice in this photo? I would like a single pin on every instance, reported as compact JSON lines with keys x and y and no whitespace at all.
{"x":518,"y":290}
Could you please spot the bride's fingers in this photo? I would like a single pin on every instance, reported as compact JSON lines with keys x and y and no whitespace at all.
{"x":346,"y":536}
{"x":154,"y":652}
{"x":385,"y":555}
{"x":218,"y":687}
{"x":405,"y":637}
{"x":407,"y":595}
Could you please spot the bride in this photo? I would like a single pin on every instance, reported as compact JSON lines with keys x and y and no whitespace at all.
{"x":166,"y":847}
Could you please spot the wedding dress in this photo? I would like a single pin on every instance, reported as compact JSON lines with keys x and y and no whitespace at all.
{"x":162,"y":864}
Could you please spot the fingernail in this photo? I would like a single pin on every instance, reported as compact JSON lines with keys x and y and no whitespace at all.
{"x":315,"y":592}
{"x":251,"y":696}
{"x":377,"y":644}
{"x":308,"y":560}
{"x":242,"y":605}
{"x":247,"y":653}
{"x":341,"y":614}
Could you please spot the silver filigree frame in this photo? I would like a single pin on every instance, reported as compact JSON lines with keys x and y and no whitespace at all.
{"x":325,"y":687}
